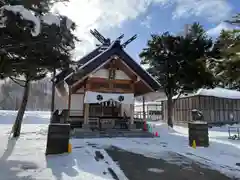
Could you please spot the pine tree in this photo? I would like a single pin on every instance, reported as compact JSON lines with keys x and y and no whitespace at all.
{"x":179,"y":62}
{"x":33,"y":56}
{"x":227,"y":66}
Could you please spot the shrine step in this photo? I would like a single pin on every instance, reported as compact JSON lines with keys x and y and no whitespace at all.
{"x":80,"y":133}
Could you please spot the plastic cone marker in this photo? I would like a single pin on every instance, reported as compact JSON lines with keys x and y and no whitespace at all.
{"x":156,"y":134}
{"x":69,"y":147}
{"x":194,"y":144}
{"x":150,"y":128}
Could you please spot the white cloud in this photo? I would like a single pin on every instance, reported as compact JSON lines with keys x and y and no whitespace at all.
{"x":147,"y":22}
{"x":104,"y":14}
{"x":214,"y":10}
{"x":214,"y":32}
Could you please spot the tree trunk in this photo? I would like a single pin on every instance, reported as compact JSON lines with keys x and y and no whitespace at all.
{"x":53,"y":91}
{"x":18,"y":122}
{"x":169,"y":110}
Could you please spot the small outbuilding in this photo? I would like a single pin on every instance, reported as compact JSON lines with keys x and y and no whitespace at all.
{"x":218,"y":106}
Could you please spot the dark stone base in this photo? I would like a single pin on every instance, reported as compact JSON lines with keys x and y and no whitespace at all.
{"x":58,"y":138}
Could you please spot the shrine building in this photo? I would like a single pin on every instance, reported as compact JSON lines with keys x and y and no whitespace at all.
{"x":101,"y":89}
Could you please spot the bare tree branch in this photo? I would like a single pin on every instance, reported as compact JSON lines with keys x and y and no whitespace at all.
{"x":17,"y":81}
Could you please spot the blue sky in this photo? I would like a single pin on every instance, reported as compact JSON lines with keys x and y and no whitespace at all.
{"x":144,"y":17}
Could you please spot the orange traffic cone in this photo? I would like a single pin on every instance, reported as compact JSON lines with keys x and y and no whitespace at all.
{"x":156,"y":134}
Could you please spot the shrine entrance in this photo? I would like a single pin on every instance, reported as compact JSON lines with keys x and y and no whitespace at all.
{"x":107,"y":114}
{"x":105,"y":109}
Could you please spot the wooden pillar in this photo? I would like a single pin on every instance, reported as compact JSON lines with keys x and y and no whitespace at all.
{"x":86,"y":113}
{"x":131,"y":113}
{"x":121,"y":110}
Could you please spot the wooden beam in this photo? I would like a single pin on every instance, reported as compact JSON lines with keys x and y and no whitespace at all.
{"x":106,"y":90}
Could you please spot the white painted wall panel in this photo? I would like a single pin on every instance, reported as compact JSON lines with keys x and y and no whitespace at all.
{"x":77,"y":102}
{"x":126,"y":109}
{"x":121,"y":75}
{"x":102,"y":73}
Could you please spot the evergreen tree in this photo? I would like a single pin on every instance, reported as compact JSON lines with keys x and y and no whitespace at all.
{"x":31,"y":54}
{"x":179,"y":62}
{"x":226,"y":67}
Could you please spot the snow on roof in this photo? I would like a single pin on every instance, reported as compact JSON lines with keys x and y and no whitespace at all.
{"x":25,"y":14}
{"x":215,"y":92}
{"x":50,"y":19}
{"x":147,"y":103}
{"x":219,"y":92}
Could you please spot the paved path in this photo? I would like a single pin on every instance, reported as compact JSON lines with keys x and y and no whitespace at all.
{"x":138,"y":167}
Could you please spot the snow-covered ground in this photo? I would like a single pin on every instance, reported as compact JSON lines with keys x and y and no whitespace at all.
{"x":25,"y":158}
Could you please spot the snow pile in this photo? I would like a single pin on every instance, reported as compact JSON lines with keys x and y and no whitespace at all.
{"x":30,"y":117}
{"x":25,"y":14}
{"x":220,"y":146}
{"x":173,"y":142}
{"x":25,"y":158}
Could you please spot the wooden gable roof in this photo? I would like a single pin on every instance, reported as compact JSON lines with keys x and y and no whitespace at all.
{"x":89,"y":65}
{"x":63,"y":74}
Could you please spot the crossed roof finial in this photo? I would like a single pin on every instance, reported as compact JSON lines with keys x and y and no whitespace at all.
{"x":107,"y":41}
